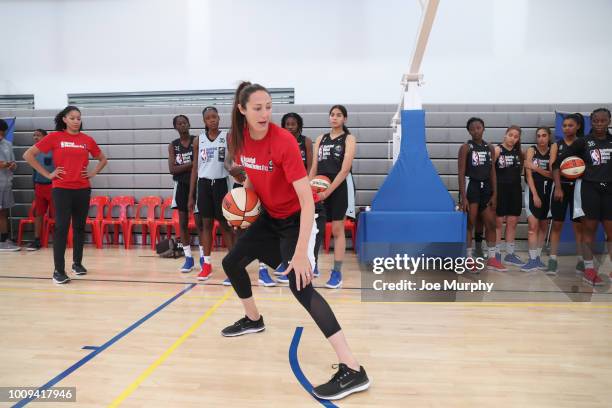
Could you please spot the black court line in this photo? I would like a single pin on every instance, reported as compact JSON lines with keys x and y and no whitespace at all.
{"x":316,"y":287}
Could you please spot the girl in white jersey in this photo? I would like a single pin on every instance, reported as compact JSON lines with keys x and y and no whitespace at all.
{"x":210,"y":170}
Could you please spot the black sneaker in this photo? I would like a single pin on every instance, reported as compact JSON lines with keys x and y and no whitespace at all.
{"x":244,"y":326}
{"x":33,"y":246}
{"x":79,"y":269}
{"x":60,"y":277}
{"x":345,"y":382}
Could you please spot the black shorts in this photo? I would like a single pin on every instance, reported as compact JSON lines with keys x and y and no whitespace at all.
{"x":558,"y":209}
{"x":337,"y":203}
{"x":210,"y":197}
{"x":478,"y":192}
{"x":509,"y":199}
{"x":180,"y":196}
{"x":272,"y":240}
{"x":594,"y":200}
{"x":543,"y":188}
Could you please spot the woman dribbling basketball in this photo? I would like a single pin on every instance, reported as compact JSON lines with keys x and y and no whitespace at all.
{"x":283,"y":232}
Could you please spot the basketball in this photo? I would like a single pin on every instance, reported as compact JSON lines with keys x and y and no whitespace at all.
{"x":572,"y":167}
{"x":241,"y":207}
{"x":320,"y":183}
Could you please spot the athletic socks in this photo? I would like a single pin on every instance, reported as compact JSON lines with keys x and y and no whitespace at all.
{"x":187,"y":251}
{"x":492,"y":250}
{"x":589,"y":264}
{"x":553,"y":257}
{"x":263,"y":265}
{"x":469,"y":253}
{"x":338,"y":266}
{"x":206,"y":259}
{"x":533,"y":253}
{"x":202,"y":254}
{"x":539,"y":251}
{"x":509,"y":248}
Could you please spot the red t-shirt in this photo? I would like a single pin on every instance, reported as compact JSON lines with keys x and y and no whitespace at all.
{"x":72,"y":153}
{"x":273,"y":164}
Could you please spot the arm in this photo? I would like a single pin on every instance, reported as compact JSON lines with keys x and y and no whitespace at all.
{"x":174,"y":168}
{"x":30,"y":157}
{"x":461,"y":164}
{"x":315,"y":161}
{"x":308,"y":154}
{"x":529,"y":176}
{"x":493,"y":175}
{"x":349,"y":154}
{"x":194,"y":174}
{"x":102,"y":161}
{"x":300,"y":262}
{"x":234,"y":170}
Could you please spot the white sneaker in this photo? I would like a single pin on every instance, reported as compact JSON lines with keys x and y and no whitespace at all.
{"x":9,"y":246}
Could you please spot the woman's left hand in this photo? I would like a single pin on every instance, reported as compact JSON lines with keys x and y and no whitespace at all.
{"x":87,"y":174}
{"x":303,"y":271}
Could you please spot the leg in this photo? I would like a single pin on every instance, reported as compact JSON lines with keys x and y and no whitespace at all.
{"x":80,"y":208}
{"x":62,"y":200}
{"x":581,"y":250}
{"x":4,"y":224}
{"x":339,"y":240}
{"x":555,"y":236}
{"x":206,"y":237}
{"x":184,"y":228}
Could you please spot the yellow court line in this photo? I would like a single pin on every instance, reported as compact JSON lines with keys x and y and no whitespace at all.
{"x":146,"y":373}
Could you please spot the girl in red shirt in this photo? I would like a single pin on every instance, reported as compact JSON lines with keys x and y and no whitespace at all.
{"x":70,"y":181}
{"x":284,"y":232}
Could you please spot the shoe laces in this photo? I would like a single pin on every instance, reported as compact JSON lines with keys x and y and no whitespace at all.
{"x":342,"y":372}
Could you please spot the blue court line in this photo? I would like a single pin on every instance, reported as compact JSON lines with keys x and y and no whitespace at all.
{"x":103,"y":347}
{"x":297,"y":371}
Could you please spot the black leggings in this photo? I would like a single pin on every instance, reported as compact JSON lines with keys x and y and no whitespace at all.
{"x":271,"y":241}
{"x":69,"y":204}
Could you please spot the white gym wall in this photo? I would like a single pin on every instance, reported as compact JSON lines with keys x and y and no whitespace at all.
{"x":347,"y":51}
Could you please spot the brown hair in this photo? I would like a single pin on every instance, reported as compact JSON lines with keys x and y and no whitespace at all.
{"x":518,"y":144}
{"x":236,"y":136}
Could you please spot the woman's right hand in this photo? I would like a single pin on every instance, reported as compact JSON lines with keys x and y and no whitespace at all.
{"x":57,"y":173}
{"x":465,"y":205}
{"x":558,"y":194}
{"x":537,"y":201}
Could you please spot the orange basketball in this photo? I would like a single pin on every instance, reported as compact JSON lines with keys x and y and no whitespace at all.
{"x":572,"y":167}
{"x":320,"y":183}
{"x":241,"y":207}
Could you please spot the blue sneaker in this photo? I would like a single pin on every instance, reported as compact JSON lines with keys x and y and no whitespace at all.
{"x":281,"y":268}
{"x":335,"y":280}
{"x":531,"y":265}
{"x":513,"y":260}
{"x":227,"y":282}
{"x":282,"y":279}
{"x":498,"y":256}
{"x":541,"y":265}
{"x":316,"y":272}
{"x":188,"y":265}
{"x":264,"y":278}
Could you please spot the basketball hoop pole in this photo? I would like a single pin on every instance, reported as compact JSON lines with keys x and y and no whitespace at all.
{"x":410,"y":98}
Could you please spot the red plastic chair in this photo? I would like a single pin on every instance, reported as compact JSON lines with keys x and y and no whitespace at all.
{"x":162,"y":221}
{"x":123,"y":203}
{"x":24,"y":222}
{"x":149,"y":203}
{"x":100,"y":202}
{"x":49,"y":226}
{"x":349,"y":225}
{"x":190,"y":226}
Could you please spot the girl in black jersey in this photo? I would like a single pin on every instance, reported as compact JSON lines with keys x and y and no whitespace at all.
{"x":563,"y":197}
{"x":294,"y":123}
{"x":335,"y":153}
{"x":537,"y":196}
{"x":508,"y":167}
{"x":594,"y":191}
{"x":478,"y":187}
{"x":180,"y":158}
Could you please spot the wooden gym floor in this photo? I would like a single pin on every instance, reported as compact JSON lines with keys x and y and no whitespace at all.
{"x":152,"y":339}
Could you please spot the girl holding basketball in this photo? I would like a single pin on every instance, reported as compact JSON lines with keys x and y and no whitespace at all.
{"x":563,"y":197}
{"x":283,"y":232}
{"x":537,"y":196}
{"x":478,"y":187}
{"x":335,"y":153}
{"x":209,"y":180}
{"x":508,"y":166}
{"x":594,"y":190}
